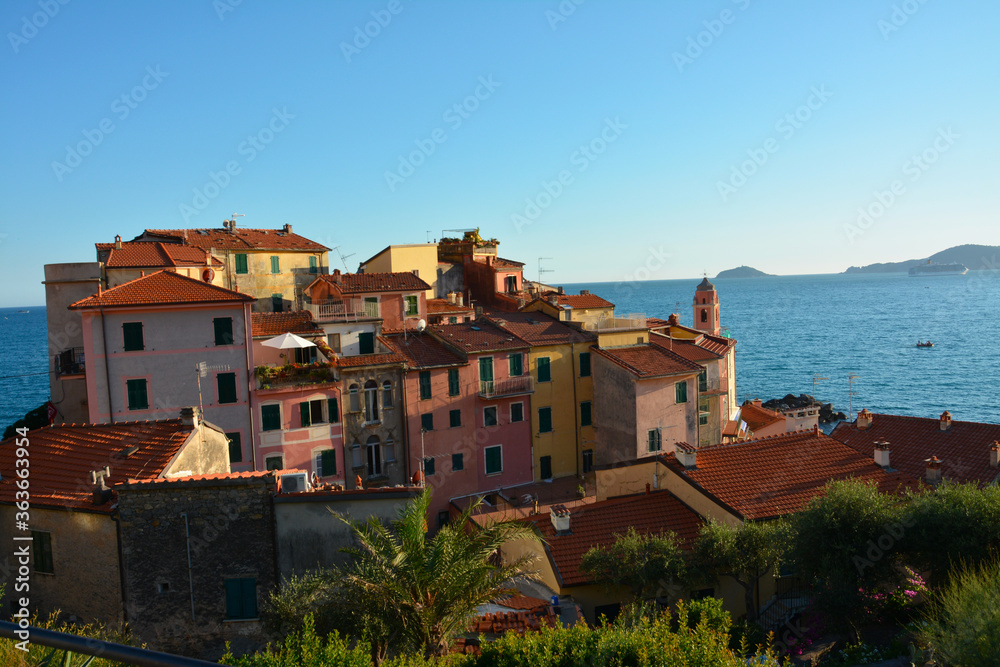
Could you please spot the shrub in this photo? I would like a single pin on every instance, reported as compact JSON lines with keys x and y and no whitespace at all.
{"x":961,"y":625}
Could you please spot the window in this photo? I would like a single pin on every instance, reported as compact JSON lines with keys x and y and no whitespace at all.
{"x":313,"y":265}
{"x":241,"y":263}
{"x":704,"y":314}
{"x":366,"y":342}
{"x":544,"y":420}
{"x":443,"y":518}
{"x":681,"y":392}
{"x":332,"y":410}
{"x":486,"y":369}
{"x":42,"y":548}
{"x":223,"y":330}
{"x":585,"y":364}
{"x":453,"y":382}
{"x":543,"y":369}
{"x":226,"y":383}
{"x":428,"y":466}
{"x":235,"y":447}
{"x":241,"y":598}
{"x":356,"y":456}
{"x":494,"y":459}
{"x":275,"y":264}
{"x":333,"y":340}
{"x":132,"y":333}
{"x":137,"y":398}
{"x":277,"y":303}
{"x":371,"y":401}
{"x":703,"y":380}
{"x":276,"y":462}
{"x":311,"y":412}
{"x":374,"y":456}
{"x":457,"y":462}
{"x":545,"y":467}
{"x":425,"y":385}
{"x":355,"y":399}
{"x":326,"y":462}
{"x":515,"y":364}
{"x":388,"y":451}
{"x":585,"y":416}
{"x":305,"y":355}
{"x":412,"y":305}
{"x":654,"y":441}
{"x":455,"y":418}
{"x":270,"y":417}
{"x":452,"y":320}
{"x":427,"y":421}
{"x":588,"y":460}
{"x":703,"y":412}
{"x":386,"y":394}
{"x":517,"y":412}
{"x":490,"y":416}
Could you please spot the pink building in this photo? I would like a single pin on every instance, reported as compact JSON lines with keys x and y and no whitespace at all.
{"x":399,"y":300}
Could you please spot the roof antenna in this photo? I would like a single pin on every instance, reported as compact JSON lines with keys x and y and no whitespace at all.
{"x":231,"y":223}
{"x":343,"y":258}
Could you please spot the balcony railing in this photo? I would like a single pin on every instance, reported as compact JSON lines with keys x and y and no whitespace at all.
{"x":524,"y":384}
{"x":348,"y":310}
{"x":294,"y":374}
{"x":70,"y":362}
{"x":632,"y":321}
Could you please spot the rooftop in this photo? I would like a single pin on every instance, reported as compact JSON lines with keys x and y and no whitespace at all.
{"x":758,"y":417}
{"x":161,"y":288}
{"x":479,"y":336}
{"x":648,"y":361}
{"x":299,"y":322}
{"x":240,"y":238}
{"x":438,"y":306}
{"x":702,"y":348}
{"x":139,"y":254}
{"x":374,"y":283}
{"x":585,"y":300}
{"x":538,"y":328}
{"x":423,"y":350}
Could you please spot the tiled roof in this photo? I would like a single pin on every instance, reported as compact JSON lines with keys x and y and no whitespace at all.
{"x":578,"y":300}
{"x":242,"y":239}
{"x":139,"y":254}
{"x":686,"y":348}
{"x":717,"y":344}
{"x":648,"y":361}
{"x":62,"y":458}
{"x":361,"y":360}
{"x":525,"y":602}
{"x":375,"y":283}
{"x":478,"y":336}
{"x":423,"y":350}
{"x":436,"y":306}
{"x":758,"y":417}
{"x":964,"y":448}
{"x":501,"y":263}
{"x":265,"y":325}
{"x":502,"y":622}
{"x":539,"y":328}
{"x":770,"y":477}
{"x":161,"y":288}
{"x":656,"y":323}
{"x":598,"y":523}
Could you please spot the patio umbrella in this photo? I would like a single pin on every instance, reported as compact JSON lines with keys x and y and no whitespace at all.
{"x":287,"y":341}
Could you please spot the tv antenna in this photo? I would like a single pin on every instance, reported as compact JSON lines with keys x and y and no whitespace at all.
{"x":343,"y":258}
{"x":817,"y":378}
{"x":541,"y":270}
{"x":850,"y":395}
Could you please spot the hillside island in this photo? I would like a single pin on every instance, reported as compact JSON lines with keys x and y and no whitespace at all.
{"x":742,"y":272}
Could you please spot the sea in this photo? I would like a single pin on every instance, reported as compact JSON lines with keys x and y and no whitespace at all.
{"x":789,"y":330}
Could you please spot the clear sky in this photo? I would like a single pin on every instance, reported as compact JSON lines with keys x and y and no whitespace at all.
{"x":620,"y":139}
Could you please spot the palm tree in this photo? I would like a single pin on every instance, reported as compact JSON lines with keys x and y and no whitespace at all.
{"x":421,"y":592}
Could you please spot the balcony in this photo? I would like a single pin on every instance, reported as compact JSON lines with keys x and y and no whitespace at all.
{"x":632,"y":321}
{"x":70,"y":362}
{"x":319,"y":372}
{"x":348,"y":310}
{"x":493,"y":389}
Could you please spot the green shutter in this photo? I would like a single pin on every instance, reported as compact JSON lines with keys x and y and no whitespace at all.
{"x":227,"y":387}
{"x":425,"y":385}
{"x":132,"y":334}
{"x":304,"y":413}
{"x":494,"y":460}
{"x":545,"y":467}
{"x":223,"y":330}
{"x":584,"y":364}
{"x":234,"y":598}
{"x":136,"y":390}
{"x":544,"y":371}
{"x":544,"y":420}
{"x":457,"y":463}
{"x":313,"y":265}
{"x":428,"y":466}
{"x":241,"y":263}
{"x":328,"y":462}
{"x":486,"y":369}
{"x":270,"y":416}
{"x":427,"y":421}
{"x":455,"y":418}
{"x":249,"y":598}
{"x":453,"y":382}
{"x":42,"y":551}
{"x":366,"y":340}
{"x":585,"y":413}
{"x":235,"y":448}
{"x":681,"y":392}
{"x":332,"y":411}
{"x":275,"y":266}
{"x":515,"y":364}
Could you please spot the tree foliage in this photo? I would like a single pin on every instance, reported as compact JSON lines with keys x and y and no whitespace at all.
{"x":961,"y":626}
{"x":647,"y":564}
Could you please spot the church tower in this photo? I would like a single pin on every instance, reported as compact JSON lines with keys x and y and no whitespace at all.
{"x":706,"y":308}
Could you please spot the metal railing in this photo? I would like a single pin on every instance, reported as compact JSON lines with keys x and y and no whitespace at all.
{"x":348,"y":310}
{"x":71,"y":644}
{"x":70,"y":362}
{"x":524,"y":384}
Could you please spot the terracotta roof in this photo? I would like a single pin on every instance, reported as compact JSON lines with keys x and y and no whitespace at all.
{"x":478,"y":336}
{"x":503,"y":622}
{"x":242,"y":239}
{"x":771,"y":477}
{"x":656,"y":323}
{"x":161,"y":288}
{"x":375,"y":283}
{"x":361,"y":360}
{"x":213,"y":477}
{"x":435,"y":306}
{"x":964,"y":448}
{"x":525,"y":602}
{"x":578,"y":300}
{"x":300,"y":322}
{"x":648,"y":361}
{"x":62,"y":458}
{"x":138,"y":254}
{"x":539,"y":328}
{"x":424,"y":351}
{"x":597,"y":524}
{"x":501,"y":263}
{"x":686,"y":348}
{"x":758,"y":417}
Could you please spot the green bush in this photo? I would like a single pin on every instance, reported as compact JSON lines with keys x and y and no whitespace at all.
{"x":961,"y":625}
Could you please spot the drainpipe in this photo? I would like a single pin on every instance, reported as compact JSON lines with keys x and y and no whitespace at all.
{"x":576,"y":409}
{"x":187,"y":539}
{"x":251,"y":383}
{"x":107,"y":372}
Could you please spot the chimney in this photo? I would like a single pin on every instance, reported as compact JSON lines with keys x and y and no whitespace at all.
{"x":560,"y":519}
{"x":816,"y":429}
{"x":864,"y":419}
{"x":584,"y":292}
{"x":459,"y":299}
{"x":882,"y":453}
{"x":945,"y":420}
{"x":687,"y":455}
{"x":758,"y":403}
{"x":562,"y":291}
{"x":933,"y":470}
{"x":190,"y":417}
{"x":674,"y":319}
{"x":995,"y":454}
{"x":287,"y":228}
{"x":451,"y":297}
{"x":118,"y":242}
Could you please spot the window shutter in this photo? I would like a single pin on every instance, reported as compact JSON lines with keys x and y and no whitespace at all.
{"x":425,"y":384}
{"x":226,"y":383}
{"x":304,"y":414}
{"x":328,"y":462}
{"x":545,"y":420}
{"x":544,"y":373}
{"x":223,"y":330}
{"x":331,"y":410}
{"x":132,"y":336}
{"x":452,"y":381}
{"x":241,"y":263}
{"x":585,"y":413}
{"x":584,"y":364}
{"x":234,"y":598}
{"x":249,"y":598}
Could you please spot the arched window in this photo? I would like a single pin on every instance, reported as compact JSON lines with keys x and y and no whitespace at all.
{"x":386,"y":394}
{"x":355,"y":399}
{"x":374,"y":456}
{"x":704,"y":315}
{"x":703,"y":299}
{"x":371,"y":401}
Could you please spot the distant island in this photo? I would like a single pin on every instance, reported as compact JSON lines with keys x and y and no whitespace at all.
{"x":975,"y":257}
{"x":742,"y":272}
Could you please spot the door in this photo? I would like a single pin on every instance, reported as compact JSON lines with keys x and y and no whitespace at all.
{"x":366,"y":339}
{"x":371,"y":306}
{"x":486,"y":375}
{"x":545,"y":465}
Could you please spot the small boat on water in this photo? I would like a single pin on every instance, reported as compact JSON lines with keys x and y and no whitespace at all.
{"x":923,"y":344}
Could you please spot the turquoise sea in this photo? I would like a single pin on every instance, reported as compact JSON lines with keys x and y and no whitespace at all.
{"x":788,"y":327}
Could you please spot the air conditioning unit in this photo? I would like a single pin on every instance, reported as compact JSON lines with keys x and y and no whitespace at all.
{"x":295,"y":482}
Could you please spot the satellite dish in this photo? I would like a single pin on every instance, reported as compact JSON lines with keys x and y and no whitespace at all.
{"x":421,"y":325}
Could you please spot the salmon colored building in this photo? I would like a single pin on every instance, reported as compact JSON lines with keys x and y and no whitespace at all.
{"x":399,"y":300}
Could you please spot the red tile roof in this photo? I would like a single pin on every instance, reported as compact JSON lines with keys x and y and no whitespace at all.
{"x":361,"y":360}
{"x":267,"y":325}
{"x":161,"y":288}
{"x":598,"y":523}
{"x":964,"y":449}
{"x":656,"y":323}
{"x":478,"y":336}
{"x":525,"y":602}
{"x":424,"y":351}
{"x":539,"y":328}
{"x":648,"y":361}
{"x":153,"y":255}
{"x":375,"y":283}
{"x":578,"y":300}
{"x":501,"y":263}
{"x":436,"y":306}
{"x":62,"y":458}
{"x":771,"y":477}
{"x":685,"y":348}
{"x":758,"y":417}
{"x":242,"y":239}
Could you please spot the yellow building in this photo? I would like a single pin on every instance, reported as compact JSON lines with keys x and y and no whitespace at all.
{"x":418,"y":258}
{"x":588,"y":309}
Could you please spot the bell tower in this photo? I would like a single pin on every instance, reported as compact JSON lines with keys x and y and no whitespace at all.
{"x":706,"y":308}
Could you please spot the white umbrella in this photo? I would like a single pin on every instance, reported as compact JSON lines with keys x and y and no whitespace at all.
{"x":287,"y":341}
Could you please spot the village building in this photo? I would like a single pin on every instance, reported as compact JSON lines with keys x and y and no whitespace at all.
{"x":761,"y":422}
{"x":590,"y":310}
{"x":420,"y":259}
{"x":122,"y":262}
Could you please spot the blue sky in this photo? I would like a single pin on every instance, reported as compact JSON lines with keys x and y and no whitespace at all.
{"x":620,"y":139}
